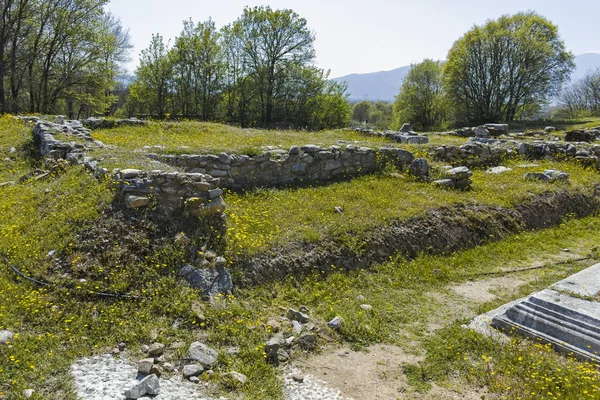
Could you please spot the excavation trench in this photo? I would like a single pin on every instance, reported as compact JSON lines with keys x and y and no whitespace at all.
{"x":440,"y":231}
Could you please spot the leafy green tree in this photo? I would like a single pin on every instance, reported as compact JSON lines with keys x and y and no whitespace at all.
{"x":381,"y":114}
{"x":421,"y":100}
{"x":59,"y":55}
{"x":360,"y":111}
{"x":239,"y":81}
{"x":272,"y":43}
{"x":496,"y":70}
{"x":199,"y":69}
{"x":155,"y":76}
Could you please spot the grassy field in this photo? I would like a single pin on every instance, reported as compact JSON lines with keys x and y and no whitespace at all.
{"x":56,"y":326}
{"x":265,"y":218}
{"x":202,"y":137}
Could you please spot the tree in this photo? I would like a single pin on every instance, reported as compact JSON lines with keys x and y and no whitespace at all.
{"x":381,"y":114}
{"x":199,"y":69}
{"x":154,"y":76}
{"x":273,"y":42}
{"x":583,"y":96}
{"x":57,"y":55}
{"x":496,"y":70}
{"x":360,"y":111}
{"x":421,"y":99}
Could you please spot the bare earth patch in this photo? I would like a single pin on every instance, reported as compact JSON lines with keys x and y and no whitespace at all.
{"x":482,"y":291}
{"x":373,"y":374}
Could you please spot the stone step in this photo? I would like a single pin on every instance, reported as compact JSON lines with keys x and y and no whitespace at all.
{"x":571,"y":324}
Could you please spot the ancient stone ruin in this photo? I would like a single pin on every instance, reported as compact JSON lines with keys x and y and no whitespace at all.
{"x":192,"y":194}
{"x":299,"y":165}
{"x":566,"y":315}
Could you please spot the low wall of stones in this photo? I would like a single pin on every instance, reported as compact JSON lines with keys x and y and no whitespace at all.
{"x":190,"y":194}
{"x":490,"y":152}
{"x":299,"y":165}
{"x":407,"y":137}
{"x":104,"y":123}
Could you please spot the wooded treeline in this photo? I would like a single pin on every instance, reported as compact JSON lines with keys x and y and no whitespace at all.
{"x":256,"y":71}
{"x":508,"y":69}
{"x":582,"y":98}
{"x":59,"y":56}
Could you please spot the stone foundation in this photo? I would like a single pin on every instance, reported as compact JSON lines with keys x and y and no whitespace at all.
{"x":189,"y":194}
{"x":299,"y":165}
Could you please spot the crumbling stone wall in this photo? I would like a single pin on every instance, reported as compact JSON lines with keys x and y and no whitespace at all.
{"x":189,"y":194}
{"x":490,"y":152}
{"x":304,"y":164}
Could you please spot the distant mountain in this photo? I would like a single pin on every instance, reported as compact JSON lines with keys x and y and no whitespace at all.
{"x":385,"y":85}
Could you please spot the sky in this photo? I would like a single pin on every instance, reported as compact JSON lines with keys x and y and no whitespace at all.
{"x":368,"y":35}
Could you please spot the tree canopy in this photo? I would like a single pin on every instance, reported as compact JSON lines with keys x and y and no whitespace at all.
{"x":256,"y":71}
{"x":509,"y":65}
{"x":421,"y":100}
{"x":59,"y":56}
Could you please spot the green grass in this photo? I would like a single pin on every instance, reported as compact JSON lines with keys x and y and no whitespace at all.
{"x":262,"y":219}
{"x":203,"y":137}
{"x":408,"y":297}
{"x":55,"y":327}
{"x":591,"y":123}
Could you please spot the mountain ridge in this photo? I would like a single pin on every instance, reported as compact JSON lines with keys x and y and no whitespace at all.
{"x":384,"y":85}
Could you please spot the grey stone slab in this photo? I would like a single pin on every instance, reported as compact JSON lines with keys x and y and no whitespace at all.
{"x":585,"y":283}
{"x":564,"y":315}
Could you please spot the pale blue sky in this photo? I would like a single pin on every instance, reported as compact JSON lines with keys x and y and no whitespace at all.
{"x":368,"y":35}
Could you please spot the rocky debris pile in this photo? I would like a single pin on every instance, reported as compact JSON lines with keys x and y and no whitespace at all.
{"x":550,"y":175}
{"x":301,"y":334}
{"x":583,"y":135}
{"x":408,"y":136}
{"x":405,"y":135}
{"x":537,"y":150}
{"x":104,"y":123}
{"x":212,"y":279}
{"x":456,"y":178}
{"x":483,"y":131}
{"x":106,"y":378}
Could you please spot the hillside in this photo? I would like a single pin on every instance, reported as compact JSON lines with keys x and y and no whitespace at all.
{"x":384,"y":85}
{"x":220,"y":262}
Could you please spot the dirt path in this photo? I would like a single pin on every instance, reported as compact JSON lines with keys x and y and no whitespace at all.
{"x":377,"y":373}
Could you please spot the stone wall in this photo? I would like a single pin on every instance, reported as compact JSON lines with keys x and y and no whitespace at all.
{"x":307,"y":164}
{"x":191,"y":194}
{"x":44,"y":135}
{"x":104,"y":123}
{"x":407,"y":137}
{"x":489,"y":152}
